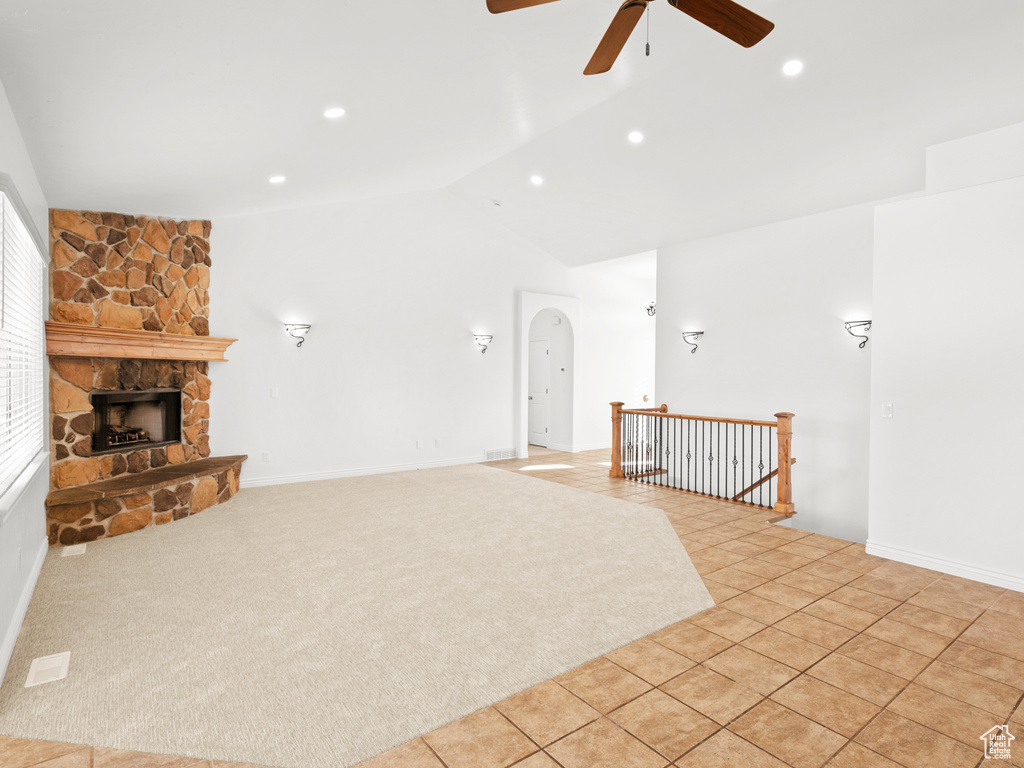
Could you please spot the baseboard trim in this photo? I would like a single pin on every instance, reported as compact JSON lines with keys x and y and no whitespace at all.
{"x":335,"y":474}
{"x":952,"y":567}
{"x":11,"y":636}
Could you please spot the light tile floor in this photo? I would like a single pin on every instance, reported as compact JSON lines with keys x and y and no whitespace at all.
{"x":817,"y":654}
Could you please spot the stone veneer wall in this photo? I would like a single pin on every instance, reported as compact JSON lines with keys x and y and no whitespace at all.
{"x":71,"y":416}
{"x":136,"y":272}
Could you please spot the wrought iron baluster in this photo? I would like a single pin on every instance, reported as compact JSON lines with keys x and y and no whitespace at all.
{"x":718,"y":466}
{"x":688,"y":455}
{"x":647,"y":451}
{"x":751,"y":461}
{"x":702,"y":449}
{"x":760,"y":466}
{"x":657,"y":450}
{"x":652,"y":478}
{"x":628,"y":458}
{"x":711,"y":457}
{"x":743,"y":464}
{"x":735,"y":461}
{"x":679,"y":459}
{"x":628,"y":437}
{"x":636,"y":444}
{"x":663,"y":455}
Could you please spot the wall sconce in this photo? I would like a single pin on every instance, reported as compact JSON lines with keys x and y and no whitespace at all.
{"x":298,"y":331}
{"x":483,"y":340}
{"x":859,"y":329}
{"x":652,"y":308}
{"x":691,"y":338}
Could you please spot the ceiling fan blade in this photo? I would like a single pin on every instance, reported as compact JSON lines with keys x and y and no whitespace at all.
{"x":615,"y":38}
{"x":739,"y":24}
{"x":500,"y":6}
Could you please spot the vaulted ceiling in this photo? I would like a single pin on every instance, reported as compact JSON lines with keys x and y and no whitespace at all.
{"x":186,"y":107}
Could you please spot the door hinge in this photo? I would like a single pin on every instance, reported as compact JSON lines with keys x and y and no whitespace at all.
{"x":545,"y":390}
{"x":545,"y":429}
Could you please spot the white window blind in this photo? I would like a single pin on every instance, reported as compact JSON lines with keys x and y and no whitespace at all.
{"x":21,"y":345}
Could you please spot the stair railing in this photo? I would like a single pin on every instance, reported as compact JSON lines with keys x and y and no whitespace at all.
{"x":738,"y":460}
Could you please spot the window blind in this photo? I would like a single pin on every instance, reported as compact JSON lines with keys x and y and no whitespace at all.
{"x":21,"y":345}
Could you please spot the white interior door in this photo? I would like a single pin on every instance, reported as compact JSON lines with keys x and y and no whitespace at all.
{"x":540,"y":385}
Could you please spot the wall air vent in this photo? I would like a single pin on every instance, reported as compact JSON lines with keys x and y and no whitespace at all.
{"x":497,"y":454}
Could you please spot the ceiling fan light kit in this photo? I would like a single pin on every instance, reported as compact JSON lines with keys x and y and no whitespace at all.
{"x":726,"y":17}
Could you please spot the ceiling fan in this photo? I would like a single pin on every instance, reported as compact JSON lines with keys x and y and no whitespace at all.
{"x":737,"y":23}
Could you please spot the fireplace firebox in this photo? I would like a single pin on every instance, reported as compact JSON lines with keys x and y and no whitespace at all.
{"x":129,"y":420}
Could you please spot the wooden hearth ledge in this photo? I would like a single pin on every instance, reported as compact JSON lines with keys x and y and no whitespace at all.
{"x":71,"y":340}
{"x":142,"y":482}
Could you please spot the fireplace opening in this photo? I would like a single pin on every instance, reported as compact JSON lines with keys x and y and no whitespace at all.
{"x":135,"y":419}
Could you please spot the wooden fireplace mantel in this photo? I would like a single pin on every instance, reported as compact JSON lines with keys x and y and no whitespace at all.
{"x":71,"y":340}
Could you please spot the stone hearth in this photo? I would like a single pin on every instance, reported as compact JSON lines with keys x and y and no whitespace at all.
{"x":111,"y":507}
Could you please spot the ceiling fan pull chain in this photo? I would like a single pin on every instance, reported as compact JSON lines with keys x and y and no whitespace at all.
{"x":648,"y":29}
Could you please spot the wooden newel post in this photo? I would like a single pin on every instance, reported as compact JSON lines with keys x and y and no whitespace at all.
{"x":616,"y":470}
{"x":784,"y":504}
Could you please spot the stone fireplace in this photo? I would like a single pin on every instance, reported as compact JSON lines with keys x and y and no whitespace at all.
{"x":129,"y":350}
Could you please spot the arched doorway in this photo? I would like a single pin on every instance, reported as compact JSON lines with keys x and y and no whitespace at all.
{"x":568,"y":308}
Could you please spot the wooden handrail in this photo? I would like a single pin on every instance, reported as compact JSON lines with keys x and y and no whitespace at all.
{"x":759,"y":483}
{"x":662,"y":414}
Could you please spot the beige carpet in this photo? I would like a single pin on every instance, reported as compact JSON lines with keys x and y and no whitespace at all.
{"x":322,"y":623}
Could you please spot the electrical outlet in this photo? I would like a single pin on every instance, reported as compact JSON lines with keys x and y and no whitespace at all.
{"x":437,"y":443}
{"x":419,"y":443}
{"x":275,"y":392}
{"x":887,"y":410}
{"x":266,"y":456}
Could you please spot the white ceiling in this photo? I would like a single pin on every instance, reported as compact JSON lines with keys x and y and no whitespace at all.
{"x":186,"y":107}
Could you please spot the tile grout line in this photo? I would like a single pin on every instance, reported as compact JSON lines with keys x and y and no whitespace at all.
{"x":885,"y":708}
{"x":432,"y":751}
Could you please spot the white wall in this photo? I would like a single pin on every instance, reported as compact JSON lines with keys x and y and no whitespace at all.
{"x":394,"y":289}
{"x":615,"y":354}
{"x":979,"y":159}
{"x":947,"y":355}
{"x":772,"y":301}
{"x":22,"y":518}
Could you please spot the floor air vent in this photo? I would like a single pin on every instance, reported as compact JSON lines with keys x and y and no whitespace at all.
{"x":46,"y":669}
{"x":496,"y":454}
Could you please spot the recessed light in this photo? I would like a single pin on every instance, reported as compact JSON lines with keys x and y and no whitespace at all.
{"x":636,"y":137}
{"x":536,"y":180}
{"x":793,"y":67}
{"x":334,"y":113}
{"x":276,"y":179}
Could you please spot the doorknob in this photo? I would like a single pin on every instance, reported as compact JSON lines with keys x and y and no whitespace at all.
{"x":531,"y":397}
